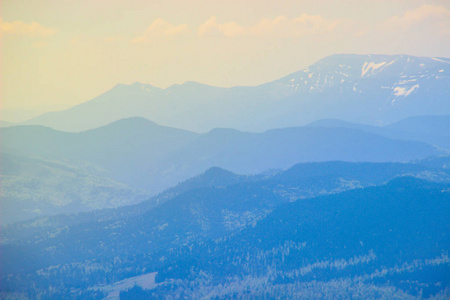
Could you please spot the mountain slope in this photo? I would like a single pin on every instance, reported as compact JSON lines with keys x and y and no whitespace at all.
{"x":374,"y":89}
{"x":362,"y":241}
{"x":353,"y":236}
{"x":35,"y":187}
{"x":214,"y":177}
{"x":198,"y":209}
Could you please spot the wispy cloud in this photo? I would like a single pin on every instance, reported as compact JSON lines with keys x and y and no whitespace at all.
{"x":428,"y":15}
{"x":212,"y":28}
{"x":19,"y":28}
{"x":283,"y":26}
{"x":160,"y":28}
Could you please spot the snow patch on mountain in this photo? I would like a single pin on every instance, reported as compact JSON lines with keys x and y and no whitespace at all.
{"x":440,"y":60}
{"x":370,"y":65}
{"x":407,"y":80}
{"x":402,"y":91}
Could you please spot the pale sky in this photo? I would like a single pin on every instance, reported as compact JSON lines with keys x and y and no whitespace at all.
{"x":58,"y":53}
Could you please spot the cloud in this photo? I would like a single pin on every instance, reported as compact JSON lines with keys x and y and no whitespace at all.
{"x":269,"y":26}
{"x":212,"y":28}
{"x":19,"y":28}
{"x":160,"y":28}
{"x":304,"y":25}
{"x":428,"y":15}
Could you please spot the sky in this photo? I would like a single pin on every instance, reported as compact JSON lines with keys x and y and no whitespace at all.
{"x":58,"y":53}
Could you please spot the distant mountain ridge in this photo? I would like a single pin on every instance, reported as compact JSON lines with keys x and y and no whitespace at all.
{"x":144,"y":155}
{"x":433,"y":130}
{"x":6,"y":124}
{"x":372,"y":89}
{"x":135,"y":157}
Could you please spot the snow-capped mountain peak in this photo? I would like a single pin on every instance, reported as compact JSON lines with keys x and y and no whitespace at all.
{"x":399,"y":74}
{"x":374,"y":89}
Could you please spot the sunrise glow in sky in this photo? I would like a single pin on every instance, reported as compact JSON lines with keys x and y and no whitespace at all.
{"x":58,"y":53}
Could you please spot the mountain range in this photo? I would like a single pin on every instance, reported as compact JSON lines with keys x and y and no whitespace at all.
{"x":433,"y":130}
{"x":367,"y":89}
{"x":314,"y":222}
{"x":332,"y":182}
{"x":50,"y":171}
